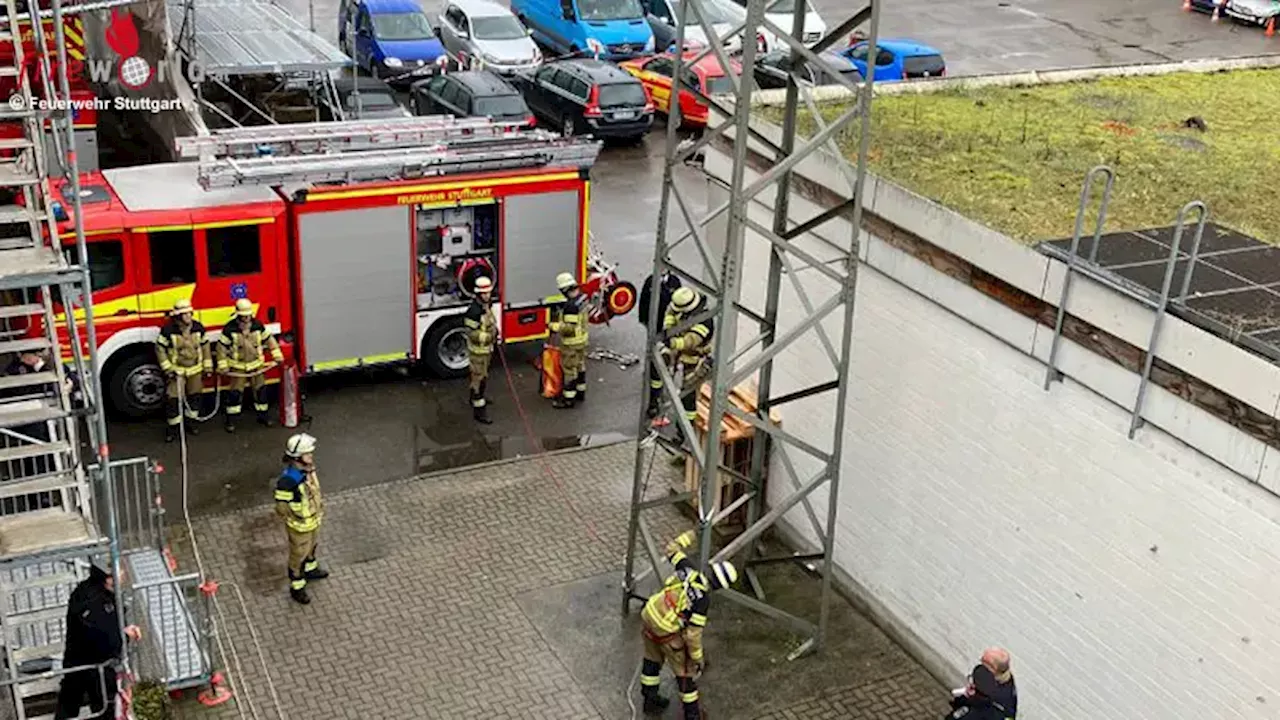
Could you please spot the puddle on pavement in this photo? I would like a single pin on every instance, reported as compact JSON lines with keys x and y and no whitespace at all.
{"x":434,"y":456}
{"x":263,"y":553}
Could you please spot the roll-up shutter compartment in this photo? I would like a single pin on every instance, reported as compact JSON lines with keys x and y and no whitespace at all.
{"x":357,"y":292}
{"x":541,"y":238}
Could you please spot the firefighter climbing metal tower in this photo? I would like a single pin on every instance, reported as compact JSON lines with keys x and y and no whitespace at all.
{"x":52,"y":519}
{"x":718,"y":276}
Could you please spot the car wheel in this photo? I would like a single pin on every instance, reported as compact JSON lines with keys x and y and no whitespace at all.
{"x":444,"y":349}
{"x":136,"y":387}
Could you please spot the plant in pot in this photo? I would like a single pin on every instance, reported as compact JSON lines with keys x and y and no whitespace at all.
{"x":151,"y":701}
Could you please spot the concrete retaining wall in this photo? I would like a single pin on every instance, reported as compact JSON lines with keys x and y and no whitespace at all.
{"x":1129,"y":578}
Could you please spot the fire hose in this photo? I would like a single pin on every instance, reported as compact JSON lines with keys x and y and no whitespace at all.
{"x":217,"y":391}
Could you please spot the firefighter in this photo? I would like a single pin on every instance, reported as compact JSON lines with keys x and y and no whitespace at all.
{"x":299,"y":503}
{"x":572,"y":329}
{"x":183,"y":351}
{"x":691,"y":350}
{"x":673,"y":620}
{"x":242,"y":353}
{"x":482,"y":334}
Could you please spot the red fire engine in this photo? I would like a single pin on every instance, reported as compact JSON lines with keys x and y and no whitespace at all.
{"x":84,"y":116}
{"x":357,"y":242}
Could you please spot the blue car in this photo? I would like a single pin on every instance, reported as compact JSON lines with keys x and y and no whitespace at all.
{"x":390,"y":39}
{"x":614,"y":29}
{"x":897,"y":59}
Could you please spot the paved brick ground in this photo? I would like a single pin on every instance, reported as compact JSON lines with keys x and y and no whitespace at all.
{"x":420,"y":618}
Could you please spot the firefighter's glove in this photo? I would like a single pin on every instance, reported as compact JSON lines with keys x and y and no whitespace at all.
{"x":684,"y":540}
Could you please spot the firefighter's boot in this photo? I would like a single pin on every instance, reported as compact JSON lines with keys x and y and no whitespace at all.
{"x":655,"y":704}
{"x":192,"y":427}
{"x":230,"y":424}
{"x":316,"y":574}
{"x":264,"y":419}
{"x":300,"y":596}
{"x":170,"y":433}
{"x":481,"y":414}
{"x":651,"y":411}
{"x":562,"y":403}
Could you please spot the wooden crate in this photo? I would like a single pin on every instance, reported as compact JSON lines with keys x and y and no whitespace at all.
{"x":737,"y":443}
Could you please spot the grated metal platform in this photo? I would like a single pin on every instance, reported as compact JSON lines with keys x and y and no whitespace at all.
{"x":173,"y":633}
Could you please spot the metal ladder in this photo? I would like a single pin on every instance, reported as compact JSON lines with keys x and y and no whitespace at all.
{"x":350,"y":135}
{"x":47,"y":528}
{"x":517,"y":152}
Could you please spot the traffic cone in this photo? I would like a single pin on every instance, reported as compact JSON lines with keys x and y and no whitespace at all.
{"x":1271,"y":27}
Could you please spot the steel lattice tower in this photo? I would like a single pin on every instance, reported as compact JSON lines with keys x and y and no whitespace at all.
{"x":723,"y":289}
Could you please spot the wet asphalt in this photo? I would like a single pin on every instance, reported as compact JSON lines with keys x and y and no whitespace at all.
{"x":383,"y":425}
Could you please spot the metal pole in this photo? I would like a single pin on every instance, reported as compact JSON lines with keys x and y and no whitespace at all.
{"x":99,"y":417}
{"x":1051,"y":372}
{"x":1162,"y":306}
{"x":654,"y":329}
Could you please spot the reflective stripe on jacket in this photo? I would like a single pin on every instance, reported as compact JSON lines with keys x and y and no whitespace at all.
{"x":245,"y":351}
{"x":693,"y":344}
{"x":298,"y":499}
{"x":572,"y":324}
{"x":482,"y":328}
{"x":680,"y":606}
{"x":183,"y":353}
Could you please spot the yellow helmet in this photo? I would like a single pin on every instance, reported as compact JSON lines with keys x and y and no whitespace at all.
{"x":723,"y":574}
{"x":564,"y":281}
{"x":182,"y":306}
{"x":244,"y":308}
{"x":483,"y":284}
{"x":685,"y":299}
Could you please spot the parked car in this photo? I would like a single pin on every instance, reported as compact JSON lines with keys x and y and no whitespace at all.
{"x":587,"y":96}
{"x":1257,"y":12}
{"x":484,"y":34}
{"x":1208,"y":6}
{"x":574,"y":26}
{"x":722,"y":15}
{"x":390,"y":39}
{"x":470,"y":93}
{"x":773,"y":67}
{"x":368,"y":98}
{"x":897,"y":59}
{"x":780,"y":13}
{"x":707,"y":76}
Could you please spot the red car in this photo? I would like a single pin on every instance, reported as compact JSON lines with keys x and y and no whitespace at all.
{"x":708,"y":77}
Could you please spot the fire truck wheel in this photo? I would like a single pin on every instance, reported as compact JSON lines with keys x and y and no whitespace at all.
{"x":444,"y":349}
{"x":136,"y":385}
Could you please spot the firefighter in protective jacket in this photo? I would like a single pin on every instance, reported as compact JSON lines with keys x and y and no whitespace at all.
{"x":482,"y":334}
{"x":183,"y":352}
{"x":571,"y":326}
{"x":691,"y":350}
{"x":674,"y":618}
{"x":299,"y":503}
{"x":242,"y":353}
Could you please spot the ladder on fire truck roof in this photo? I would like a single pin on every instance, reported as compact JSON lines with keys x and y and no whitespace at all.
{"x":366,"y":151}
{"x":48,"y":533}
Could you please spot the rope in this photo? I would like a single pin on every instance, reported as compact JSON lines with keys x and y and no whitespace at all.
{"x":217,"y":393}
{"x":195,"y":551}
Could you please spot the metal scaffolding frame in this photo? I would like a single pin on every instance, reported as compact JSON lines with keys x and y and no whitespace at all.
{"x":723,"y":289}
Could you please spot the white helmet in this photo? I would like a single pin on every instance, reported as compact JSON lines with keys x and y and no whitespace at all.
{"x":565,"y":281}
{"x":483,"y":284}
{"x":298,"y":445}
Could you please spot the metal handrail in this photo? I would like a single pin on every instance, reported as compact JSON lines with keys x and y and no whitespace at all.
{"x":51,"y":674}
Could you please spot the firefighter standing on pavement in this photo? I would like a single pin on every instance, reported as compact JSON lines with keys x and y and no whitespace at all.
{"x":242,"y":353}
{"x":482,"y":334}
{"x":572,"y":329}
{"x":691,"y":349}
{"x":299,"y":503}
{"x":674,"y":618}
{"x":183,"y":352}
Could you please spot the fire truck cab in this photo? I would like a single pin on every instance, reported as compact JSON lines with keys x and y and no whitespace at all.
{"x":347,"y":274}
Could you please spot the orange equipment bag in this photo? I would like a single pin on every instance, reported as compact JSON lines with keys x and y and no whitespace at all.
{"x":552,"y":373}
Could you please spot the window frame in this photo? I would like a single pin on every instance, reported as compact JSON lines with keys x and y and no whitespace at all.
{"x":209,"y":237}
{"x":151,"y":235}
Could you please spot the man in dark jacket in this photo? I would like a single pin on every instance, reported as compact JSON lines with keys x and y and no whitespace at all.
{"x":670,"y":283}
{"x":92,"y":637}
{"x":990,"y":694}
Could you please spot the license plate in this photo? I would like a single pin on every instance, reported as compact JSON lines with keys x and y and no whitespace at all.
{"x":625,"y":115}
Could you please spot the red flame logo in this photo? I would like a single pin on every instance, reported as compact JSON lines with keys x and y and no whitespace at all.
{"x":121,"y":35}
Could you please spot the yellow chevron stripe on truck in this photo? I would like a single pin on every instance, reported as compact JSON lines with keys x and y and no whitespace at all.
{"x":155,"y":304}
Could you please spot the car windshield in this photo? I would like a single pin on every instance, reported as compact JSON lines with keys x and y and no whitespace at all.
{"x":372,"y":100}
{"x":622,"y":95}
{"x":497,"y":27}
{"x":720,"y":85}
{"x":610,"y":9}
{"x":714,"y":12}
{"x":402,"y":26}
{"x":501,"y":106}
